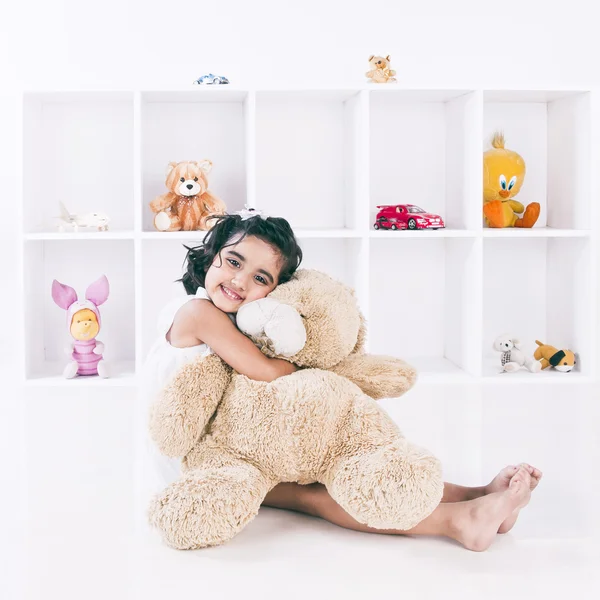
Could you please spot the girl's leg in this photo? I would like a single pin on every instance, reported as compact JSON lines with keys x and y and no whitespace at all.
{"x":293,"y":496}
{"x":473,"y":523}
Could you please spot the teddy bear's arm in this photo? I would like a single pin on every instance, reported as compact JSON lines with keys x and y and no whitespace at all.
{"x":378,"y":376}
{"x":161,"y":202}
{"x":182,"y":411}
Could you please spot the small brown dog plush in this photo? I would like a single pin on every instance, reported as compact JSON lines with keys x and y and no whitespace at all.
{"x":188,"y":206}
{"x":380,"y":70}
{"x":561,"y":360}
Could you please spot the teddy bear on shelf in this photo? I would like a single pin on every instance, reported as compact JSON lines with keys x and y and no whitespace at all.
{"x":512,"y":357}
{"x":240,"y":437}
{"x":188,"y":205}
{"x":380,"y":70}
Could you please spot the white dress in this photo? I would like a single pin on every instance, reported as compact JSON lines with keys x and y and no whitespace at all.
{"x":156,"y":471}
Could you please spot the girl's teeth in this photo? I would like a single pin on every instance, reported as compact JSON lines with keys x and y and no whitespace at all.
{"x":230,"y":294}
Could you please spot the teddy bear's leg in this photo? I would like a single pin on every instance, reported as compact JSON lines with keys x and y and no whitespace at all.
{"x":103,"y":370}
{"x":70,"y":370}
{"x":167,"y":221}
{"x":392,"y":487}
{"x":532,"y":213}
{"x":511,"y":367}
{"x":533,"y":365}
{"x":498,"y":214}
{"x":208,"y":506}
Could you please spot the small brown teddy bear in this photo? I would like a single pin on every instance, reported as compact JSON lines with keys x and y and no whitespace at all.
{"x":380,"y":70}
{"x":188,"y":206}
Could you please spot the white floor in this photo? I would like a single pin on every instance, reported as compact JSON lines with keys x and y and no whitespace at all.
{"x":68,"y":532}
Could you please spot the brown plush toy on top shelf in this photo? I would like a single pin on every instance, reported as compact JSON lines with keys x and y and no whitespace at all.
{"x":188,"y":206}
{"x":380,"y":70}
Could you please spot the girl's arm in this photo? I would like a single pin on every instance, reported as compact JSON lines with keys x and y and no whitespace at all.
{"x":214,"y":328}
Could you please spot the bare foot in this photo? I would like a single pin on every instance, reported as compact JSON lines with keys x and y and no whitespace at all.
{"x":478,"y":525}
{"x":501,"y":483}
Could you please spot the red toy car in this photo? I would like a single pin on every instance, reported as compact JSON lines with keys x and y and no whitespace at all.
{"x":406,"y":216}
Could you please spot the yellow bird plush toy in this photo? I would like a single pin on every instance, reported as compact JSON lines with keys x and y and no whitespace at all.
{"x":503,"y":175}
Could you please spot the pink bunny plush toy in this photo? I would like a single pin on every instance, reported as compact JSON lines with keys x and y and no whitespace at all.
{"x":83,"y":321}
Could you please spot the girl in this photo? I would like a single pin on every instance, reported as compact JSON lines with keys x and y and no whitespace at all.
{"x":243,"y":258}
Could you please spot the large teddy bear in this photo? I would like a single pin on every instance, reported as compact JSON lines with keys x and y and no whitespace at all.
{"x":240,"y":437}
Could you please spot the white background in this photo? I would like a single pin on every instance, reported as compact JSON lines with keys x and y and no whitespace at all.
{"x":145,"y":44}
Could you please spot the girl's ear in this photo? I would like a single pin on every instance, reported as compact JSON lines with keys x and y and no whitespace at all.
{"x":63,"y":295}
{"x":97,"y":292}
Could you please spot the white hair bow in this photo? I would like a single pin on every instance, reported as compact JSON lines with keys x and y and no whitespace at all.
{"x":248,"y":212}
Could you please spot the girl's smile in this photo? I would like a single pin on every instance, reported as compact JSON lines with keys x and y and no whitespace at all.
{"x":242,"y":272}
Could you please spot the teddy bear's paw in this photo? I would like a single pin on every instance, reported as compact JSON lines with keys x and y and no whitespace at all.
{"x":162,"y":221}
{"x":393,"y":487}
{"x":280,"y":322}
{"x":208,"y":507}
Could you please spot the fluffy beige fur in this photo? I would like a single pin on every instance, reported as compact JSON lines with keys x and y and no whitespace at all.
{"x":239,"y":437}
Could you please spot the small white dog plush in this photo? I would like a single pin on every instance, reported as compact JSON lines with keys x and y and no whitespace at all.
{"x":512,"y":357}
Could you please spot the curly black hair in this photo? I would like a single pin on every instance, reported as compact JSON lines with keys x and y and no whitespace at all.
{"x":275,"y":231}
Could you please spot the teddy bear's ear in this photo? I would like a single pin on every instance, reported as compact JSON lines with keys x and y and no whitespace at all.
{"x":205,"y":165}
{"x":371,"y":57}
{"x":170,"y":167}
{"x":517,"y":343}
{"x":387,"y":58}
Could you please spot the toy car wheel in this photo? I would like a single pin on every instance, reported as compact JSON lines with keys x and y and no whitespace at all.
{"x":412,"y":224}
{"x":394,"y":227}
{"x":375,"y":226}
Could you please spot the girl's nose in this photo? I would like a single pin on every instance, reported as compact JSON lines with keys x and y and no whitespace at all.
{"x":238,"y":283}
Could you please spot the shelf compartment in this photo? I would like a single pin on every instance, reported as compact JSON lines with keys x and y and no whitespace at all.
{"x":162,"y":263}
{"x":423,"y":151}
{"x":191,"y":126}
{"x":538,"y":289}
{"x":551,"y":130}
{"x":424,"y":298}
{"x":77,"y":264}
{"x":308,"y":157}
{"x":78,"y":150}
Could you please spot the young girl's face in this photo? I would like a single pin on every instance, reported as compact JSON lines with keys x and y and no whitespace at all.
{"x":241,"y":273}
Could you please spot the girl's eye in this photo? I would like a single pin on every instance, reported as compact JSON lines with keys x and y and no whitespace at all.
{"x":182,"y":179}
{"x":261,"y":279}
{"x":233,"y":262}
{"x":195,"y":179}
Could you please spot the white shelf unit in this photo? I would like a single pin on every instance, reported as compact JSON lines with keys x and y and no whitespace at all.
{"x":323,"y":158}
